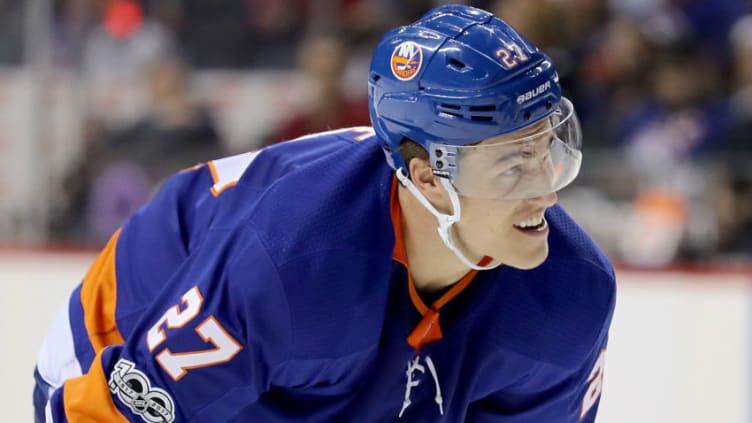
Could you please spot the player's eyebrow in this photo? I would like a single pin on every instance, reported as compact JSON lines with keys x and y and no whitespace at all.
{"x":524,"y":151}
{"x":508,"y":158}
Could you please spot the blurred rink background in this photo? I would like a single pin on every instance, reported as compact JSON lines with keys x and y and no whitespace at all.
{"x":101,"y":100}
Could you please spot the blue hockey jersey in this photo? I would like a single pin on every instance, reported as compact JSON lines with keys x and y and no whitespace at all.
{"x":272,"y":286}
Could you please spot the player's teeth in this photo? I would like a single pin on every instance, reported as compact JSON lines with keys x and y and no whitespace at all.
{"x":533,"y":221}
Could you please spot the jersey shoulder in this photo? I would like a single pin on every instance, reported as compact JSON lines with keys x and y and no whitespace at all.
{"x":568,"y":241}
{"x":224,"y":190}
{"x":333,"y":195}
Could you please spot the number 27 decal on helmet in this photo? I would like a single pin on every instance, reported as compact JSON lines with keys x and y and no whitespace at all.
{"x":511,"y":55}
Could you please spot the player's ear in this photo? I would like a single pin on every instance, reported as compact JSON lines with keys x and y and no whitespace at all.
{"x":429,"y":185}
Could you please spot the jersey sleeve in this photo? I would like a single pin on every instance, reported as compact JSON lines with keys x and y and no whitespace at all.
{"x":203,"y":350}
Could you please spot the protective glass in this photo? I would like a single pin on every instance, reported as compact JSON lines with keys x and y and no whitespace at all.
{"x":512,"y":169}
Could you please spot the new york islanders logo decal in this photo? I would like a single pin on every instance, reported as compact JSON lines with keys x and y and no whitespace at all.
{"x":406,"y":60}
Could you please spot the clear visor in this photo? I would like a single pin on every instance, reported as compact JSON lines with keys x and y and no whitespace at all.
{"x":545,"y":158}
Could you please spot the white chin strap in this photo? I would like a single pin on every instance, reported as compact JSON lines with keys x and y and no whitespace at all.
{"x":445,"y":221}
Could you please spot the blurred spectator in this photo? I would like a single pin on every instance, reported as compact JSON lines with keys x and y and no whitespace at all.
{"x":738,"y":238}
{"x":260,"y":33}
{"x":683,"y":116}
{"x":241,"y":33}
{"x":613,"y":78}
{"x":174,"y":133}
{"x":125,"y":43}
{"x":323,"y":61}
{"x":741,"y":88}
{"x":736,"y":228}
{"x":73,"y":21}
{"x":11,"y":32}
{"x":732,"y":198}
{"x":119,"y":170}
{"x":537,"y":19}
{"x":216,"y":34}
{"x":118,"y":53}
{"x":710,"y":21}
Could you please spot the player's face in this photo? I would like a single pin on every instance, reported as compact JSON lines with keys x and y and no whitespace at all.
{"x":512,"y":231}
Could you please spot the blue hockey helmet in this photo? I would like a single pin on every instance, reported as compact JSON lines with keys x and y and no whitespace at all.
{"x":458,"y":76}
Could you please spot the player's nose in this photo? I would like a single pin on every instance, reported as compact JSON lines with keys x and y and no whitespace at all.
{"x":544,"y":201}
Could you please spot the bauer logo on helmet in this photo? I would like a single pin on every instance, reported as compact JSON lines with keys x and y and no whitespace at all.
{"x":535,"y":92}
{"x":406,"y":60}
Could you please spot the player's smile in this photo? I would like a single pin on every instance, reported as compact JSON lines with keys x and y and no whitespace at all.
{"x":534,"y":225}
{"x":538,"y":228}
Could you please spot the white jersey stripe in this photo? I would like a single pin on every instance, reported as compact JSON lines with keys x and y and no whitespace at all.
{"x":48,"y":413}
{"x":57,"y":358}
{"x":227,"y":171}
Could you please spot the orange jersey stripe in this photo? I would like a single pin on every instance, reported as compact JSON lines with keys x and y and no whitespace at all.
{"x":99,"y":299}
{"x":87,"y":398}
{"x":213,"y":171}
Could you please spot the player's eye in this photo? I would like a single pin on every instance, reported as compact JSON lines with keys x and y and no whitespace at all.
{"x":513,"y":171}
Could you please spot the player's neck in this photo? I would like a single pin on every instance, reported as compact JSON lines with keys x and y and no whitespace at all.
{"x":432,"y":265}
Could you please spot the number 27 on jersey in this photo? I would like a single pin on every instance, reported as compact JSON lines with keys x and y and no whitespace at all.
{"x":223,"y":346}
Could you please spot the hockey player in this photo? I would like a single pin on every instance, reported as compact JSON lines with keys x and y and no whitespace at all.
{"x":314,"y":281}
